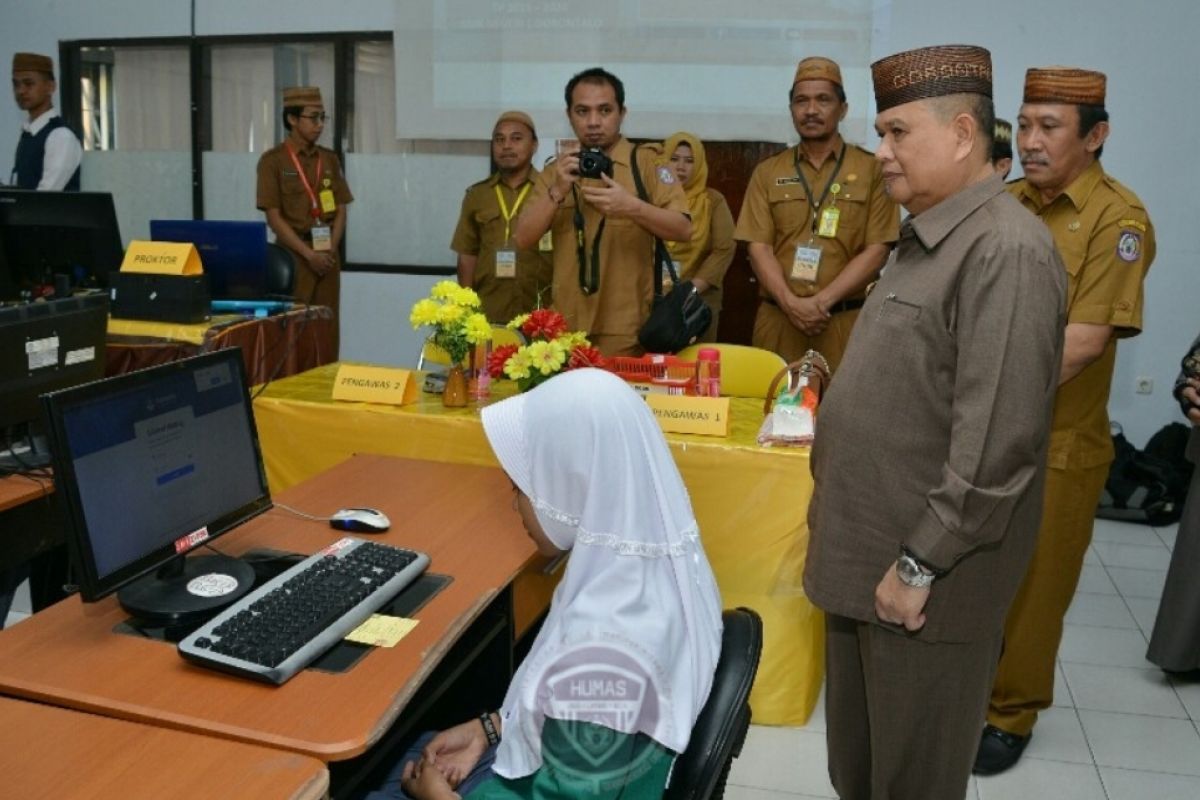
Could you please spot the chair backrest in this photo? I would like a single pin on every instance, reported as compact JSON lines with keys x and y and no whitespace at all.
{"x":281,"y":270}
{"x":432,"y":355}
{"x":701,"y":770}
{"x":745,"y":371}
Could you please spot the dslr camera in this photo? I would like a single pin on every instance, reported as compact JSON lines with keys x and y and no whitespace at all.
{"x":593,"y":163}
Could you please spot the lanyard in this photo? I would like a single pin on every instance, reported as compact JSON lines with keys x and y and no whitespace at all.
{"x":504,"y":212}
{"x":316,"y":207}
{"x":589,"y":283}
{"x":808,"y":192}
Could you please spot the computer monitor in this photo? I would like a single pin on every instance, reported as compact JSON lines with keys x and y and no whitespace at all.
{"x":234,"y":254}
{"x":149,"y":466}
{"x":44,"y":234}
{"x":44,"y":346}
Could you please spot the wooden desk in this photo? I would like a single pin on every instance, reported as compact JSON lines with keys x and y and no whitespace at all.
{"x":48,"y":752}
{"x":28,"y":524}
{"x":273,"y":347}
{"x":751,"y":503}
{"x":68,"y":655}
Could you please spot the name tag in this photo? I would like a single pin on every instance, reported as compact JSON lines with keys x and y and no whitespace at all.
{"x":322,"y":238}
{"x":806,"y":264}
{"x":828,"y":226}
{"x":328,"y":204}
{"x":506,"y":263}
{"x":546,"y":243}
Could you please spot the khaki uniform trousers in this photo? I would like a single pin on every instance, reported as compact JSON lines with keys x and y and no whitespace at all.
{"x":902,"y":716}
{"x":1033,"y":629}
{"x":774,"y":331}
{"x":325,"y":290}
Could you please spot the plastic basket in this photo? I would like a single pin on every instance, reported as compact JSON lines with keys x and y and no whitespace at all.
{"x":657,"y":373}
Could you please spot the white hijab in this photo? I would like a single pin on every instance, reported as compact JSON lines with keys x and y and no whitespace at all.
{"x":588,"y":453}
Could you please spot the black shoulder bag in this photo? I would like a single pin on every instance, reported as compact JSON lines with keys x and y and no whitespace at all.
{"x":680,"y":317}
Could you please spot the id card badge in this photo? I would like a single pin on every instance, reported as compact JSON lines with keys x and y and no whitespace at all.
{"x":506,"y":263}
{"x":328,"y":204}
{"x":322,"y":238}
{"x":806,"y":263}
{"x":828,"y":226}
{"x":546,"y":243}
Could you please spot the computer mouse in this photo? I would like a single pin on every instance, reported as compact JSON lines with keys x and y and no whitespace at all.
{"x":360,"y":520}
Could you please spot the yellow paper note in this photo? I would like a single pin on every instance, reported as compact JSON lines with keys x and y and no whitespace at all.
{"x":381,"y":630}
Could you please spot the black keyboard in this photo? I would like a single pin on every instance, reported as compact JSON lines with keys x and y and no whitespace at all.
{"x":283,"y":625}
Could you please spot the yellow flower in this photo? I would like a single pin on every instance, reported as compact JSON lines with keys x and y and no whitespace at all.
{"x":444,"y":290}
{"x":449,"y":314}
{"x":547,"y":357}
{"x":517,"y":366}
{"x":516,"y":322}
{"x":478,"y":329}
{"x":573,"y":339}
{"x":465,"y":296}
{"x":424,"y":312}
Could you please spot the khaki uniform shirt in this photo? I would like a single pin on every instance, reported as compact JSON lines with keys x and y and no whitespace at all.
{"x":622,"y":303}
{"x":716,"y":254}
{"x":1106,"y":240}
{"x":933,"y":433}
{"x":279,"y":186}
{"x":481,"y":232}
{"x":776,"y":211}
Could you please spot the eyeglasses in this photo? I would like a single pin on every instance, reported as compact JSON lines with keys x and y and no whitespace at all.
{"x":314,"y":117}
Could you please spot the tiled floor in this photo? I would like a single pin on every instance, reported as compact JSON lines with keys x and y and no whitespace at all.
{"x":1119,"y":729}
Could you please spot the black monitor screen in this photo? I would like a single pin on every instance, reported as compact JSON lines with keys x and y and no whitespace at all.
{"x":45,"y":346}
{"x":154,"y":463}
{"x":234,"y":253}
{"x":44,"y":234}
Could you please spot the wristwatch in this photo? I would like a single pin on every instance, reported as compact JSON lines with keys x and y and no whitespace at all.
{"x":912,"y":572}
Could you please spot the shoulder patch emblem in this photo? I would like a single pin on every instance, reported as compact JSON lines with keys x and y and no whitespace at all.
{"x":666,"y":176}
{"x":1129,"y":246}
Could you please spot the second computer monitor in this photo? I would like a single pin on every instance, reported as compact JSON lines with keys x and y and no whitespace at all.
{"x":234,"y":253}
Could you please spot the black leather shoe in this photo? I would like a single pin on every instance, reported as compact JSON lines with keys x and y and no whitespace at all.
{"x":998,"y":751}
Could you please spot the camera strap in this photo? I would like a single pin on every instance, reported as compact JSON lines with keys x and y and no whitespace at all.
{"x":662,"y":256}
{"x":589,"y":282}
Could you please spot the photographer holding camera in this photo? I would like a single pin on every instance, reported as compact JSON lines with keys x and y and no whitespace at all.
{"x":603,"y":232}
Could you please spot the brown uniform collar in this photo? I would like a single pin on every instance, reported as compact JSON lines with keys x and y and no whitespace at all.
{"x":838,"y":144}
{"x":1077,"y":192}
{"x":935,"y":224}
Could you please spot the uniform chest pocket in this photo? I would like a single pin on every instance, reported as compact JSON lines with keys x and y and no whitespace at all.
{"x":290,"y":184}
{"x":789,"y":207}
{"x":852,"y":210}
{"x":486,"y":216}
{"x":896,"y":310}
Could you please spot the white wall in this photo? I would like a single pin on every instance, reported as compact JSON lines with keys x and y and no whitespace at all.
{"x":1151,"y":97}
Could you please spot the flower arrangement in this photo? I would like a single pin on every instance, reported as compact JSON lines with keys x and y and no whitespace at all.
{"x":453,"y":313}
{"x":551,"y":349}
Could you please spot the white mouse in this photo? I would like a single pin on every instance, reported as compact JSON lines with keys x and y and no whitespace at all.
{"x":360,"y":520}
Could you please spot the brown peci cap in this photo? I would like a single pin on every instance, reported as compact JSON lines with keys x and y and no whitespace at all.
{"x":302,"y":96}
{"x":516,"y":116}
{"x":1002,"y":139}
{"x":32,"y":62}
{"x":818,"y":68}
{"x":1064,"y":85}
{"x":931,"y":72}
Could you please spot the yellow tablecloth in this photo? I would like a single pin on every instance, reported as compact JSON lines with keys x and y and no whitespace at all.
{"x":190,"y":332}
{"x":751,"y":504}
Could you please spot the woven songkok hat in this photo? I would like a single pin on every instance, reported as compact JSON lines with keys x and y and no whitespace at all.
{"x":817,"y":68}
{"x":1002,"y":140}
{"x":1065,"y":85}
{"x":32,"y":62}
{"x":931,"y":72}
{"x":302,"y":96}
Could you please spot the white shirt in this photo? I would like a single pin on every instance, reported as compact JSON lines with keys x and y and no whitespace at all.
{"x":62,"y":155}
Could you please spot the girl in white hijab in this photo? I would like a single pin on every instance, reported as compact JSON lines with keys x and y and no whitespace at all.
{"x":613,"y":684}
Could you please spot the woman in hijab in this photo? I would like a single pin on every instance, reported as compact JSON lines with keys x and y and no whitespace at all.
{"x":705,"y":257}
{"x":623,"y":664}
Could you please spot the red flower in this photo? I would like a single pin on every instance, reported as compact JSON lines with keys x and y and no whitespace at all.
{"x":585,"y":357}
{"x":544,"y":324}
{"x":498,"y":358}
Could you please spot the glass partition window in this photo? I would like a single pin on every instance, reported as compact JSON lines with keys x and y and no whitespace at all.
{"x":135,"y":98}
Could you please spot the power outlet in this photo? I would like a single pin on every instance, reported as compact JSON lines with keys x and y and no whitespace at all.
{"x":1144,"y":385}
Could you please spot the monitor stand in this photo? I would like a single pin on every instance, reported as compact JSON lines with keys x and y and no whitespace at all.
{"x":187,"y":590}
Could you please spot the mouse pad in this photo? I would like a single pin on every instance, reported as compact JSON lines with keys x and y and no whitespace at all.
{"x":339,"y":658}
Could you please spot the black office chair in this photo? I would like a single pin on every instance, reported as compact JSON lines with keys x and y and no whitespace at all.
{"x":281,"y":271}
{"x":701,"y":771}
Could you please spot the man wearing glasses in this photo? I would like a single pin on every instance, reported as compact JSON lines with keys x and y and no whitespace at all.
{"x":304,"y":194}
